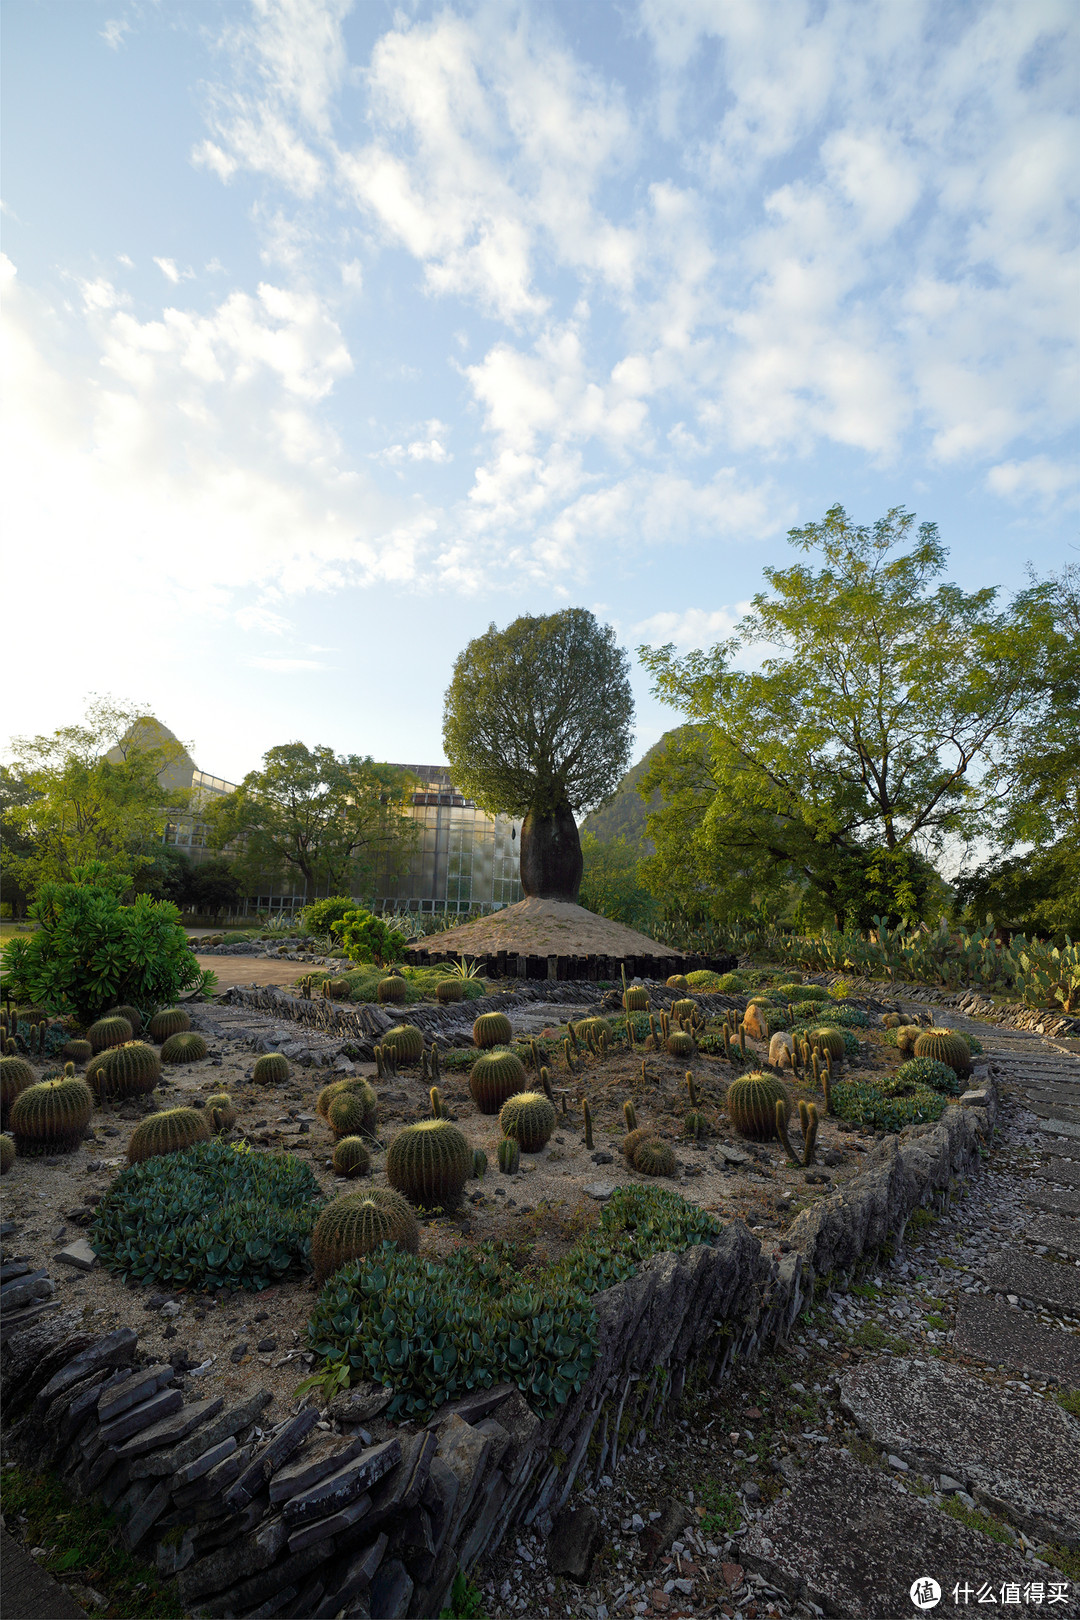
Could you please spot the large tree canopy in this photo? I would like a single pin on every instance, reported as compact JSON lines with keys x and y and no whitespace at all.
{"x":867,"y":738}
{"x":537,"y":723}
{"x":326,"y":818}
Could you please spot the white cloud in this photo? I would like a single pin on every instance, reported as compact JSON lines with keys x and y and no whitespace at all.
{"x":114,"y":31}
{"x":695,"y":627}
{"x":263,"y":620}
{"x":1039,"y":477}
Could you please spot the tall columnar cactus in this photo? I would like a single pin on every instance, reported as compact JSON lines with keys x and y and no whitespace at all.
{"x":52,"y":1116}
{"x":592,"y":1026}
{"x":509,"y":1156}
{"x":945,"y":1047}
{"x":406,"y":1041}
{"x":168,"y":1132}
{"x":7,"y":1153}
{"x":569,"y":1056}
{"x":438,"y":1107}
{"x":635,"y":999}
{"x":530,"y":1119}
{"x":448,"y":990}
{"x":169,"y":1021}
{"x":479,"y":1164}
{"x":545,"y":1083}
{"x":125,"y":1071}
{"x":586,"y":1115}
{"x":629,"y":1115}
{"x":109,"y":1032}
{"x":132,"y":1014}
{"x":691,"y":1089}
{"x":187,"y":1047}
{"x":351,"y":1157}
{"x":429,"y":1163}
{"x":751,"y":1105}
{"x":492,"y":1029}
{"x":358,"y":1224}
{"x":781,"y":1120}
{"x":15,"y":1075}
{"x":393,"y":989}
{"x":654,"y":1158}
{"x":494,"y":1077}
{"x":220,"y":1112}
{"x":272,"y":1069}
{"x":808,"y":1120}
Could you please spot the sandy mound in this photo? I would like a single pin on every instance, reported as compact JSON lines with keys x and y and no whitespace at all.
{"x":544,"y":928}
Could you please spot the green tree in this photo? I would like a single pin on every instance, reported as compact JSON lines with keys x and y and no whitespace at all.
{"x":611,"y":882}
{"x":326,"y":818}
{"x":537,"y":724}
{"x":77,"y":804}
{"x":867,"y":740}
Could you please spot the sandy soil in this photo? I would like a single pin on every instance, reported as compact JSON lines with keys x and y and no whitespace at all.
{"x":250,"y":970}
{"x":545,"y":928}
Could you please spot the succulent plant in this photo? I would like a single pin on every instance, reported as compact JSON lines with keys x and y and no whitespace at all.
{"x":751,"y":1105}
{"x":678,"y":981}
{"x":169,"y":1021}
{"x":406,"y":1041}
{"x":109,"y":1032}
{"x":696,"y":1124}
{"x":568,"y":1055}
{"x":271,"y":1069}
{"x":429,"y":1163}
{"x":891,"y":1020}
{"x":355,"y":1086}
{"x":629,"y":1115}
{"x":679,"y":1044}
{"x":492,"y":1029}
{"x":479,"y":1164}
{"x":15,"y":1075}
{"x":808,"y":1120}
{"x":168,"y":1132}
{"x":830,"y":1040}
{"x":684,"y":1008}
{"x":654,"y":1158}
{"x":7,"y":1153}
{"x":930,"y":1074}
{"x":529,"y":1118}
{"x":346,"y":1114}
{"x":509,"y":1156}
{"x":187,"y":1047}
{"x":781,"y":1119}
{"x":545,"y":1082}
{"x":635,"y":998}
{"x":945,"y":1046}
{"x":665,"y":1025}
{"x":52,"y":1116}
{"x":132,"y":1014}
{"x":592,"y":1026}
{"x":448,"y":990}
{"x":633,"y":1140}
{"x":586,"y":1116}
{"x":339,"y":989}
{"x":907,"y":1035}
{"x":351,"y":1157}
{"x":392,"y":989}
{"x":358,"y":1224}
{"x":221,"y":1112}
{"x":494,"y":1077}
{"x":124,"y":1071}
{"x":77,"y":1051}
{"x":438,"y":1107}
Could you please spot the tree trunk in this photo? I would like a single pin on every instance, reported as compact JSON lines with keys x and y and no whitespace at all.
{"x":551,"y":863}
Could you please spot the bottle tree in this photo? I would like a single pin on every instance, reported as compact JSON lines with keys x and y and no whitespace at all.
{"x":537,"y":723}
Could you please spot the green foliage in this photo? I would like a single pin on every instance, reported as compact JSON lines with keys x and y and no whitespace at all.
{"x":930,"y":1072}
{"x":868,"y":1103}
{"x":466,"y":1602}
{"x":89,"y":951}
{"x":187,"y":1047}
{"x":848,"y":1018}
{"x":611,"y":884}
{"x":271,"y":1069}
{"x":538,"y":716}
{"x":320,"y":916}
{"x":367,"y":938}
{"x":212,"y":1215}
{"x":1069,"y":1401}
{"x":52,"y":1116}
{"x":723,"y":1509}
{"x":435,"y":1330}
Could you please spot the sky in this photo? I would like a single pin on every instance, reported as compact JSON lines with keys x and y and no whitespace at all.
{"x":335,"y":332}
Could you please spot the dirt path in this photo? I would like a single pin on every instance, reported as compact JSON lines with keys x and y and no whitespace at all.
{"x":250,"y":970}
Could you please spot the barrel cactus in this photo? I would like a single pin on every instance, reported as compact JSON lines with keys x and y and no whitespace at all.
{"x":678,"y":981}
{"x":52,"y":1116}
{"x":684,"y":1008}
{"x":187,"y":1047}
{"x":77,"y":1051}
{"x":220,"y":1111}
{"x":271,"y":1069}
{"x":168,"y":1132}
{"x":429,"y":1163}
{"x":751,"y":1105}
{"x":479,"y":1164}
{"x":340,"y":989}
{"x":7,"y":1153}
{"x":169,"y":1021}
{"x":828,"y":1040}
{"x":15,"y":1075}
{"x":906,"y":1036}
{"x":509,"y":1156}
{"x":109,"y":1032}
{"x":945,"y":1046}
{"x":407,"y":1042}
{"x":351,"y":1157}
{"x":696,"y":1124}
{"x":358,"y":1224}
{"x":357,"y":1086}
{"x":125,"y":1071}
{"x":633,"y":1140}
{"x":654,"y":1158}
{"x":529,"y":1119}
{"x":492,"y":1029}
{"x":392,"y":989}
{"x":679,"y":1044}
{"x":132,"y":1014}
{"x":448,"y":990}
{"x":349,"y":1113}
{"x":594,"y":1027}
{"x":635,"y":998}
{"x":494,"y":1077}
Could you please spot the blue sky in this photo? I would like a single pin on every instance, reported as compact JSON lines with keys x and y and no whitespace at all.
{"x":335,"y":332}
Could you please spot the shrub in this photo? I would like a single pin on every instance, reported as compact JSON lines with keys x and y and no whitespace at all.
{"x":848,"y":1018}
{"x":867,"y":1103}
{"x":90,"y":952}
{"x":366,"y":938}
{"x":924,"y":1071}
{"x":215,"y":1214}
{"x":435,"y":1331}
{"x":320,"y":916}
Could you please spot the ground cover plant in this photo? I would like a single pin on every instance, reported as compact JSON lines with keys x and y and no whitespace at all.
{"x":421,"y":982}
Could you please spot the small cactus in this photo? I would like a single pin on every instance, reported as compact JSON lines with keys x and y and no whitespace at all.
{"x":545,"y":1082}
{"x":808,"y":1120}
{"x":494,"y":1077}
{"x":829,"y":1040}
{"x":7,"y":1153}
{"x":221,"y":1112}
{"x":187,"y":1047}
{"x":438,"y":1109}
{"x":586,"y":1114}
{"x":448,"y":990}
{"x":347,"y":1114}
{"x":633,"y":1140}
{"x":353,"y":1086}
{"x":338,"y":989}
{"x":629,"y":1115}
{"x":780,"y":1120}
{"x":429,"y":1163}
{"x":509,"y":1156}
{"x":529,"y":1118}
{"x":170,"y":1021}
{"x":696,"y":1124}
{"x":52,"y":1116}
{"x":691,"y":1088}
{"x":109,"y":1032}
{"x":406,"y":1042}
{"x":492,"y":1029}
{"x":358,"y":1224}
{"x":272,"y":1069}
{"x":168,"y":1132}
{"x":751,"y":1105}
{"x":479,"y":1164}
{"x":684,"y":1008}
{"x":654,"y":1158}
{"x":568,"y":1055}
{"x":351,"y":1157}
{"x":392,"y":989}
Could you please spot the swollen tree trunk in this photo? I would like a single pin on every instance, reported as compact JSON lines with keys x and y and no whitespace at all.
{"x":551,"y":863}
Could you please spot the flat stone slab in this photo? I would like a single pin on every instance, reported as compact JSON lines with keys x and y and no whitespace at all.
{"x":1059,"y":1147}
{"x":1060,"y":1235}
{"x":991,"y":1331}
{"x":78,"y":1254}
{"x":1016,"y":1452}
{"x":853,"y":1541}
{"x":1062,"y":1127}
{"x":1054,"y":1203}
{"x":1063,"y":1172}
{"x":1047,"y":1282}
